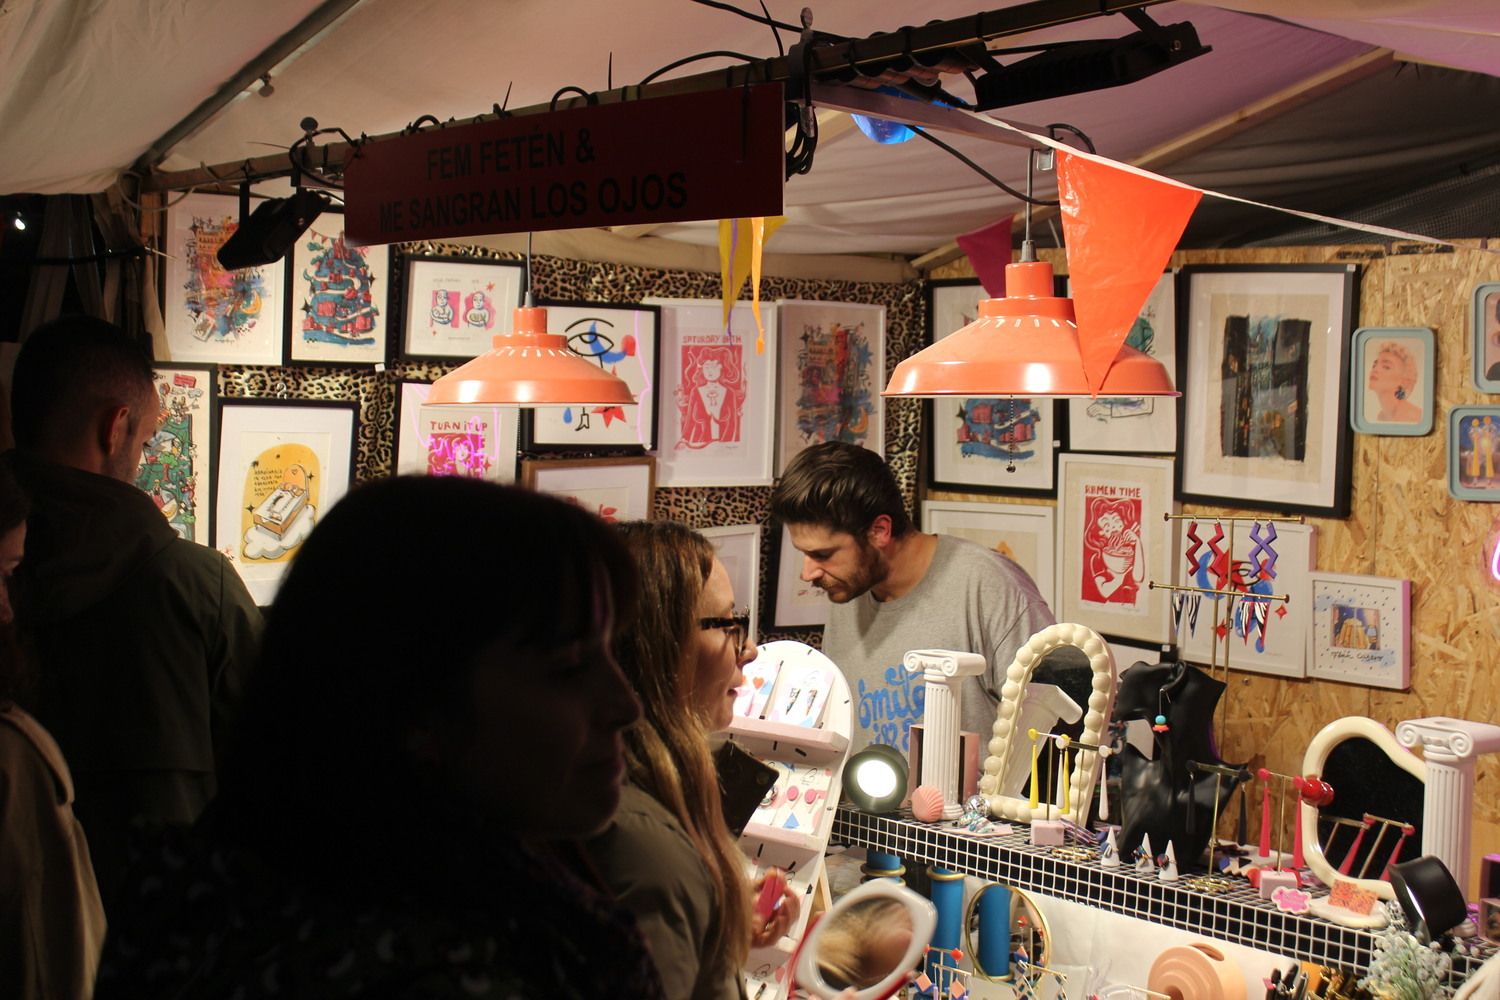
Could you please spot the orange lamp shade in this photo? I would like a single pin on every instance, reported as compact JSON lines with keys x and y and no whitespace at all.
{"x":530,"y":367}
{"x":1025,"y":344}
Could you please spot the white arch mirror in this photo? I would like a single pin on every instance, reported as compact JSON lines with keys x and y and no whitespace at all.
{"x":1007,"y":739}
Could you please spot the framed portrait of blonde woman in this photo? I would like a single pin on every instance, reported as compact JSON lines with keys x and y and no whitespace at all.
{"x":1390,"y":381}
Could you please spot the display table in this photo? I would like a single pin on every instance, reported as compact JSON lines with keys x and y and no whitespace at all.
{"x":1237,"y":915}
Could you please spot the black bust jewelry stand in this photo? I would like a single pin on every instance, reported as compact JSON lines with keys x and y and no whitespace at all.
{"x":1166,"y":797}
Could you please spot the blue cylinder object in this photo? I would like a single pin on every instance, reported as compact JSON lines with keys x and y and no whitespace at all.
{"x":947,"y":891}
{"x":882,"y":862}
{"x":993,"y":946}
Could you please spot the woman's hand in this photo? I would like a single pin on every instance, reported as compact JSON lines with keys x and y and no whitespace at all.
{"x":774,"y":928}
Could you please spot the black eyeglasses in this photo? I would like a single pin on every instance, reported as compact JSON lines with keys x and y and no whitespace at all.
{"x":736,"y":626}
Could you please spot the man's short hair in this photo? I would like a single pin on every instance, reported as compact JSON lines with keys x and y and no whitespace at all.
{"x":67,"y":371}
{"x":841,"y":486}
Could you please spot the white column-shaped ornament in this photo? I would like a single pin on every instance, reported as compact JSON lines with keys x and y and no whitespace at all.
{"x":1449,"y":747}
{"x":944,"y":671}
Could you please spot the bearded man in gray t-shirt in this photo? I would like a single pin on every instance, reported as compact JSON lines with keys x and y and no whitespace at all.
{"x":894,"y":588}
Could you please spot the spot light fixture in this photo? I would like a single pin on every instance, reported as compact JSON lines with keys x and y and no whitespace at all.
{"x":875,"y":779}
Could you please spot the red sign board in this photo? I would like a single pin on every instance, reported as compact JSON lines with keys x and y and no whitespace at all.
{"x":715,"y":155}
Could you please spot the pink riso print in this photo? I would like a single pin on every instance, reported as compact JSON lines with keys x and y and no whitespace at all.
{"x":1114,"y":563}
{"x":711,"y":392}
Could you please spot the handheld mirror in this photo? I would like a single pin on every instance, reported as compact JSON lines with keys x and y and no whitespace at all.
{"x":870,"y":940}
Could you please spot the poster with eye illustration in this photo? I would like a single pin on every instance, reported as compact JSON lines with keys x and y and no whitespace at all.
{"x":478,"y":442}
{"x":175,"y":462}
{"x":717,"y":392}
{"x":281,"y":466}
{"x":1113,"y":543}
{"x":213,"y":315}
{"x":832,"y":372}
{"x":621,"y":340}
{"x":455,"y":307}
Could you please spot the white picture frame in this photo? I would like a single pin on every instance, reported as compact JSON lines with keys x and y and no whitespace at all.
{"x":1361,"y":630}
{"x":1280,"y":649}
{"x":479,"y":442}
{"x":1113,"y":543}
{"x":717,"y":395}
{"x":1025,"y":533}
{"x":1135,"y":423}
{"x":282,"y":465}
{"x":336,"y":298}
{"x":210,"y":315}
{"x":612,"y":489}
{"x":831,"y":373}
{"x":796,"y":604}
{"x":738,"y":548}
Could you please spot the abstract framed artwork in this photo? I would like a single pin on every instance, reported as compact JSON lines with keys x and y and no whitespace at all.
{"x":717,"y":395}
{"x":212,"y":315}
{"x":336,"y":298}
{"x":1474,"y":453}
{"x":614,"y":489}
{"x":1113,"y":542}
{"x":1135,"y":423}
{"x":1259,"y":561}
{"x":797,"y":603}
{"x":832,"y":370}
{"x":624,"y":340}
{"x":176,"y":469}
{"x":1391,"y":380}
{"x":1263,"y":364}
{"x":1023,"y":533}
{"x":478,"y":442}
{"x":1361,"y":630}
{"x":282,"y":464}
{"x":738,"y":548}
{"x":993,"y":445}
{"x":1485,"y":331}
{"x":952,"y":304}
{"x":455,"y":306}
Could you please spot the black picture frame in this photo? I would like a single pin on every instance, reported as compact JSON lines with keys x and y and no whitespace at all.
{"x":500,"y":282}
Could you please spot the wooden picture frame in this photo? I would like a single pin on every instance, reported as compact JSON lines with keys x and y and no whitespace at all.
{"x":282,"y":464}
{"x":1263,"y":364}
{"x":1113,"y":543}
{"x":214,"y":316}
{"x":455,"y":306}
{"x":738,"y":548}
{"x":1361,"y":630}
{"x":1474,"y":453}
{"x":1484,"y":332}
{"x":336,"y":298}
{"x":1024,"y":533}
{"x":830,"y":376}
{"x":177,"y":463}
{"x":478,"y":442}
{"x":1391,"y":381}
{"x":623,"y":339}
{"x":613,"y":489}
{"x":1135,"y":423}
{"x":718,"y":395}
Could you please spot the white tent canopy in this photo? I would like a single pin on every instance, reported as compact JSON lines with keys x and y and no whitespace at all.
{"x":1299,"y":103}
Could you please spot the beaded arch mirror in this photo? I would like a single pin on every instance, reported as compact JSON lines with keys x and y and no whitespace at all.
{"x":1007,"y":739}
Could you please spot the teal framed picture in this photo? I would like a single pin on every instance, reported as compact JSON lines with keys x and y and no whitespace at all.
{"x":1486,"y":334}
{"x":1390,"y":381}
{"x":1474,"y":453}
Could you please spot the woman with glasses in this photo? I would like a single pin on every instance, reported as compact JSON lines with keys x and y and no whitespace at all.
{"x":669,"y":855}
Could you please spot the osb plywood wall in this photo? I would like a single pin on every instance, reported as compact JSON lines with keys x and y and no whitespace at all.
{"x":1403,"y":524}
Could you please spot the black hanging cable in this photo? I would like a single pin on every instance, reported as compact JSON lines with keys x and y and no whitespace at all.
{"x":978,"y":169}
{"x":724,"y":53}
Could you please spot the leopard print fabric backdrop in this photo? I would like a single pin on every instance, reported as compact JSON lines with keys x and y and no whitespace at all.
{"x":558,"y":278}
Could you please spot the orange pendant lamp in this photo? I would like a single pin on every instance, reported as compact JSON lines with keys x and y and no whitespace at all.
{"x":530,"y":367}
{"x":1025,"y":344}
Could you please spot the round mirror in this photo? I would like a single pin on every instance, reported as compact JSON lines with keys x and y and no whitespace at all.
{"x":1004,"y":928}
{"x":870,"y":940}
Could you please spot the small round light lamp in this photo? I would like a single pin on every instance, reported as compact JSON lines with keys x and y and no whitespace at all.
{"x":1432,"y":900}
{"x":875,"y":779}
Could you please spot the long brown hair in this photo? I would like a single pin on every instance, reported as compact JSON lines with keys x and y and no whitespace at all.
{"x":667,"y":752}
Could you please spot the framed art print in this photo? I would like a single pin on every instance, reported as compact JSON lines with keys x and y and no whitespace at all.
{"x":478,"y":442}
{"x":1259,"y":561}
{"x":455,"y":306}
{"x":1135,"y":423}
{"x":176,"y":469}
{"x":336,"y":300}
{"x":1023,"y":533}
{"x":952,"y":304}
{"x":1361,"y":630}
{"x":797,"y":603}
{"x":282,"y":464}
{"x":1113,"y":543}
{"x":1390,"y":381}
{"x":1263,"y":364}
{"x":832,"y":370}
{"x":717,"y":394}
{"x":212,"y":315}
{"x":738,"y":548}
{"x":1474,"y":452}
{"x":1485,"y":331}
{"x":623,"y":340}
{"x":614,"y":489}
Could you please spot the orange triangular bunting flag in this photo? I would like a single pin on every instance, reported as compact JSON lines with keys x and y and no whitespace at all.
{"x":1121,"y":227}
